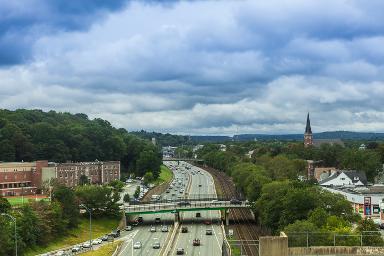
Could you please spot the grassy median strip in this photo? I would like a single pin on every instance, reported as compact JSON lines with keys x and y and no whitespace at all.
{"x":165,"y":175}
{"x":78,"y":235}
{"x":104,"y":250}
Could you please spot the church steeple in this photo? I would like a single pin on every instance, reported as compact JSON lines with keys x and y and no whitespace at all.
{"x":308,"y":127}
{"x":308,"y":137}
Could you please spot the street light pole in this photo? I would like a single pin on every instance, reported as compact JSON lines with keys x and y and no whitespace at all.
{"x":14,"y":220}
{"x":90,"y":224}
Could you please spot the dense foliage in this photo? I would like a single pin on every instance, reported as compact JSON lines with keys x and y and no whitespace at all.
{"x":27,"y":135}
{"x":41,"y":222}
{"x":268,"y":175}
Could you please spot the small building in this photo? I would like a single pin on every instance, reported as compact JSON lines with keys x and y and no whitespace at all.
{"x":366,"y":201}
{"x":345,"y":178}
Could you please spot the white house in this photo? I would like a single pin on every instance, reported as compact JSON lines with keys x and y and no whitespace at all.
{"x":345,"y":178}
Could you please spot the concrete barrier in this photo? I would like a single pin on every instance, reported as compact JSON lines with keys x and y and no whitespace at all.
{"x":273,"y":245}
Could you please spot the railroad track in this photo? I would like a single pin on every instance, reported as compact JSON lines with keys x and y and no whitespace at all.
{"x":241,"y":219}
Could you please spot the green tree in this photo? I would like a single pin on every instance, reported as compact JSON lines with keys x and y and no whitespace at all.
{"x":126,"y":198}
{"x":148,"y":178}
{"x":137,"y":192}
{"x":148,"y":161}
{"x":371,"y":234}
{"x":68,"y":201}
{"x":83,"y":180}
{"x":5,"y":206}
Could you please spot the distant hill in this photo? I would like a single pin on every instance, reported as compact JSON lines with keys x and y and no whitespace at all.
{"x":344,"y":135}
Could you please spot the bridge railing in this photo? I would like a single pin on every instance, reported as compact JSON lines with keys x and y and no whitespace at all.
{"x":184,"y":205}
{"x":189,"y":198}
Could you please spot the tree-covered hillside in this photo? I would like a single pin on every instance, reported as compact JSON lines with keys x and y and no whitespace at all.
{"x":27,"y":135}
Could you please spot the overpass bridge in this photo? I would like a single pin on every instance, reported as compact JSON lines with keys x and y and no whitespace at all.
{"x":182,"y":206}
{"x":169,"y":159}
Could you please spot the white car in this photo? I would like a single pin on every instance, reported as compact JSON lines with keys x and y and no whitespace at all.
{"x":96,"y":241}
{"x":153,"y":229}
{"x":137,"y":245}
{"x":86,"y":245}
{"x":60,"y":253}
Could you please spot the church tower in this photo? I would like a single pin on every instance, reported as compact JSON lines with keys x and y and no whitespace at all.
{"x":308,"y":137}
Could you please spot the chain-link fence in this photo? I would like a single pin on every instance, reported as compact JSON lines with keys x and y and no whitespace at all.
{"x":307,"y":239}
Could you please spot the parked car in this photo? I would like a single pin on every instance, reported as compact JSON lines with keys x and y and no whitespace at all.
{"x":184,"y":230}
{"x":76,"y":249}
{"x":180,"y":251}
{"x":208,"y":232}
{"x":86,"y":245}
{"x":96,"y":241}
{"x":137,"y":245}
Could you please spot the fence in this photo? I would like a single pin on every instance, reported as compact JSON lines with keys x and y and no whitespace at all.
{"x":308,"y":239}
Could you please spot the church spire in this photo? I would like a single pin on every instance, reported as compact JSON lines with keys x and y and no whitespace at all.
{"x":308,"y":137}
{"x":308,"y":127}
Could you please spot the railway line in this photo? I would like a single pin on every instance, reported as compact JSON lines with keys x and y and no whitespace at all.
{"x":241,"y":220}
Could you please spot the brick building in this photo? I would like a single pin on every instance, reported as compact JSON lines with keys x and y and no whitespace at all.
{"x":25,"y":178}
{"x":21,"y":178}
{"x":97,"y":172}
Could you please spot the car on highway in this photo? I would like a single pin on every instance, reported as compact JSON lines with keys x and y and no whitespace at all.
{"x":235,"y":201}
{"x":184,"y":230}
{"x":196,"y":242}
{"x":153,"y":229}
{"x":183,"y":203}
{"x":137,"y":245}
{"x":208,"y":232}
{"x":76,"y":248}
{"x":157,"y":220}
{"x":115,"y":233}
{"x":60,"y":253}
{"x":199,"y":185}
{"x":156,"y":245}
{"x":207,"y":222}
{"x":179,"y":251}
{"x":104,"y":238}
{"x":198,"y":215}
{"x":128,"y":228}
{"x":164,"y":229}
{"x":140,"y":219}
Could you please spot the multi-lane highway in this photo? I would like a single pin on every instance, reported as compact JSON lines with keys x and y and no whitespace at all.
{"x":190,"y":182}
{"x":202,"y":183}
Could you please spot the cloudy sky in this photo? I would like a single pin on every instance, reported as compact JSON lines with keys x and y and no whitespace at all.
{"x":198,"y":67}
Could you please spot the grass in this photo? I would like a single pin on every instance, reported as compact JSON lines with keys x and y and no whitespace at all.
{"x":19,"y":200}
{"x":78,"y":235}
{"x":108,"y":249}
{"x":165,"y":175}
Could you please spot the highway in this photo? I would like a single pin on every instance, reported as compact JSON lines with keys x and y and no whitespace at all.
{"x":210,"y":244}
{"x":187,"y":179}
{"x":143,"y":233}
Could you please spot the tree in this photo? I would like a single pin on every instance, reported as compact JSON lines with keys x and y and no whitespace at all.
{"x":148,"y":178}
{"x":68,"y":201}
{"x":371,"y":234}
{"x":5,"y":206}
{"x":126,"y":198}
{"x":367,"y":161}
{"x":137,"y":192}
{"x":117,"y":185}
{"x":83,"y":180}
{"x":148,"y":161}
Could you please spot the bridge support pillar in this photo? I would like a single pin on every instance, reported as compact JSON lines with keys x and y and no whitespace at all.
{"x":177,"y":217}
{"x":226,"y":217}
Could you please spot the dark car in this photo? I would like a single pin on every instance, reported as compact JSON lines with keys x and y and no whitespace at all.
{"x":198,"y":215}
{"x":115,"y":233}
{"x":208,"y":232}
{"x":196,"y":242}
{"x":180,"y":251}
{"x":183,"y":203}
{"x":140,"y":219}
{"x":157,"y":220}
{"x":235,"y":201}
{"x":184,"y":230}
{"x":381,"y":226}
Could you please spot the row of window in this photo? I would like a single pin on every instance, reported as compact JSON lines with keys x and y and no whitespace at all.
{"x":15,"y":176}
